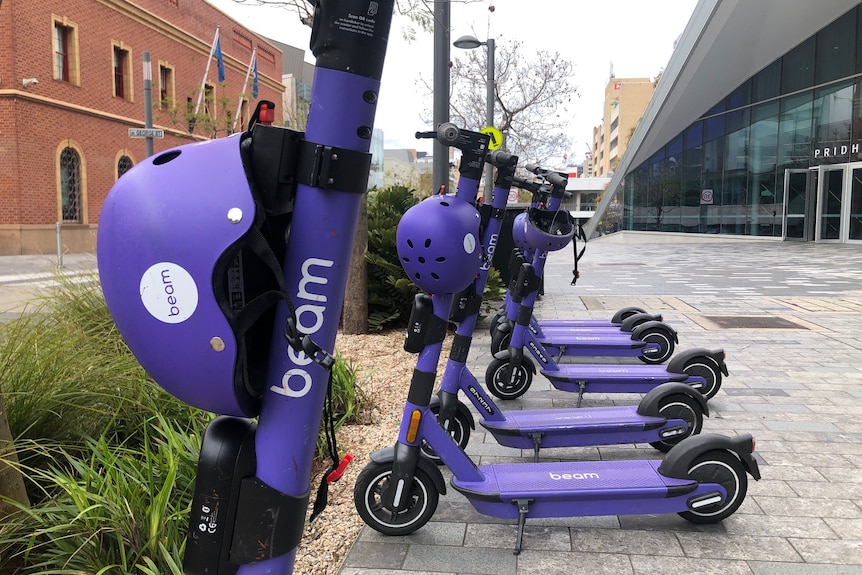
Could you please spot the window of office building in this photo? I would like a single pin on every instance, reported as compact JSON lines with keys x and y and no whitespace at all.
{"x":124,"y":164}
{"x":166,"y":86}
{"x":801,"y":112}
{"x":65,"y":50}
{"x":70,"y":185}
{"x":121,"y":61}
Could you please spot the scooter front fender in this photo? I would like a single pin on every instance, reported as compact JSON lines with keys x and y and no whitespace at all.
{"x":651,"y":402}
{"x":387,"y":455}
{"x":637,"y":331}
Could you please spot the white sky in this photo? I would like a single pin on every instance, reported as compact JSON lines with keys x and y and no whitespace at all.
{"x":636,"y":35}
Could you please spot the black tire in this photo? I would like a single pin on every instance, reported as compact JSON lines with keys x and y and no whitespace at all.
{"x":500,"y":341}
{"x":726,"y":469}
{"x":495,"y":321}
{"x":625,"y":313}
{"x":497,"y":379}
{"x":368,"y":498}
{"x":459,"y":429}
{"x":665,"y":343}
{"x":680,"y":406}
{"x":706,"y":368}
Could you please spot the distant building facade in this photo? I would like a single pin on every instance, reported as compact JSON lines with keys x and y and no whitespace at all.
{"x":71,"y":86}
{"x":625,"y":101}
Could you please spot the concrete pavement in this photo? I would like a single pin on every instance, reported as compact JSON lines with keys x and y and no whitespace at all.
{"x":789,"y":316}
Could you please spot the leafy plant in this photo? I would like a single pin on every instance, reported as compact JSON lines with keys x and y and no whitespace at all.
{"x":390,"y":293}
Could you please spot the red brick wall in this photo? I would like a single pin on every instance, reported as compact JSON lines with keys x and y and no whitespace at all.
{"x":35,"y":121}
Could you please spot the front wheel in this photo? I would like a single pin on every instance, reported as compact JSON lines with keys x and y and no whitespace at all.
{"x":680,"y":406}
{"x":459,"y":430}
{"x":498,"y":383}
{"x":706,"y":368}
{"x":665,"y":344}
{"x":726,"y":469}
{"x":368,"y":496}
{"x":500,"y":341}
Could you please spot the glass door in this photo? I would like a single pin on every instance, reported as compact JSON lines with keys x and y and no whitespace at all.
{"x":830,"y":202}
{"x":799,"y":195}
{"x":854,"y":220}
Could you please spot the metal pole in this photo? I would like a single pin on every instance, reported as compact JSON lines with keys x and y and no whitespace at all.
{"x":440,"y":164}
{"x":489,"y":116}
{"x":59,"y":244}
{"x":148,"y":101}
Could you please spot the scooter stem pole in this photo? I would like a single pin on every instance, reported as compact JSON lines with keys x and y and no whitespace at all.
{"x":349,"y":39}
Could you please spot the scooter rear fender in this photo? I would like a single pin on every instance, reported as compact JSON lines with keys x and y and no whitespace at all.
{"x":637,"y":331}
{"x":387,"y":455}
{"x":651,"y":402}
{"x":682,"y":358}
{"x":679,"y":459}
{"x":632,"y":321}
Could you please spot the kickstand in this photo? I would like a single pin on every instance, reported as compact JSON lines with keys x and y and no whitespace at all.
{"x":582,"y":385}
{"x":537,"y":440}
{"x":523,"y":509}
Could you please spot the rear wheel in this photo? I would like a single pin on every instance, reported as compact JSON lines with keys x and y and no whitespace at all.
{"x":726,"y":469}
{"x":680,"y":406}
{"x":665,"y":345}
{"x":368,"y":496}
{"x":706,"y":368}
{"x":498,"y":383}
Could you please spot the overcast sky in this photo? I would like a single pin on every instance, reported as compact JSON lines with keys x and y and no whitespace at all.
{"x":637,"y":36}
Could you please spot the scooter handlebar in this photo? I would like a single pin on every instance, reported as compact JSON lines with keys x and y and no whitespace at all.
{"x":502,"y":159}
{"x":557,"y":180}
{"x":446,"y":133}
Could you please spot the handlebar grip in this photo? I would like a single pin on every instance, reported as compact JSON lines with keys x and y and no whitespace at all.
{"x":534,"y":168}
{"x":557,"y":180}
{"x":502,"y":159}
{"x":448,"y":134}
{"x":421,"y":135}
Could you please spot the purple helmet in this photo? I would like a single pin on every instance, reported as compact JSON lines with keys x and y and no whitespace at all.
{"x":519,"y":232}
{"x":193,"y":301}
{"x":549,"y":231}
{"x":437,"y":242}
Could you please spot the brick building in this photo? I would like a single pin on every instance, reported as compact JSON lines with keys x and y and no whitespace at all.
{"x":71,"y":86}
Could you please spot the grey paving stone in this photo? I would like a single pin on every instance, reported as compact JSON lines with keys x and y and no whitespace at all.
{"x":771,"y":568}
{"x":536,"y":537}
{"x":655,"y":564}
{"x":545,"y":563}
{"x":625,"y":541}
{"x":480,"y":561}
{"x":432,"y":533}
{"x":741,"y":547}
{"x":373,"y":554}
{"x":843,"y":552}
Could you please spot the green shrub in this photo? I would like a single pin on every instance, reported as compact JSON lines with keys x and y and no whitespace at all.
{"x":390,"y":293}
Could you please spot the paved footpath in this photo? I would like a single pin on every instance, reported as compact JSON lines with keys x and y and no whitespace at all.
{"x":795,"y":383}
{"x":23,"y":277}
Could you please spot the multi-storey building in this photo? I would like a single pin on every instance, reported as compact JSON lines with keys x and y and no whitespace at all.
{"x":72,"y":85}
{"x":625,"y":101}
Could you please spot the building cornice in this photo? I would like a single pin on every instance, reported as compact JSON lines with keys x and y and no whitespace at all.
{"x":187,"y":39}
{"x":131,"y":122}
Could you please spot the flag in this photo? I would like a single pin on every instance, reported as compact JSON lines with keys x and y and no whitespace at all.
{"x":219,"y":60}
{"x":254,"y":86}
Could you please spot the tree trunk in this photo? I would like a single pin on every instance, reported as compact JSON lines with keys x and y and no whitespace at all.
{"x":11,"y":481}
{"x":354,"y":318}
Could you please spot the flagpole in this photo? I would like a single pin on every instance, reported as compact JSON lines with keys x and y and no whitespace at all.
{"x":244,"y":86}
{"x":207,"y":71}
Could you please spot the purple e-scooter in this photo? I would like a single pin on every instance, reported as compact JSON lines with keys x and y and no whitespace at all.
{"x":224,"y":265}
{"x":510,"y":373}
{"x":703,"y":478}
{"x":663,"y":417}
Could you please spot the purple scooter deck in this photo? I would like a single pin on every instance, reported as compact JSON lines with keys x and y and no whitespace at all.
{"x":591,"y":340}
{"x":635,"y":378}
{"x":574,"y":489}
{"x":574,"y":427}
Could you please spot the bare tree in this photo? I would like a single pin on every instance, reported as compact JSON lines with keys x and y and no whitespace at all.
{"x":531,"y":95}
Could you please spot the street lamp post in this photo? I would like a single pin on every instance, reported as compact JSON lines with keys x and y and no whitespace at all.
{"x":471,"y":43}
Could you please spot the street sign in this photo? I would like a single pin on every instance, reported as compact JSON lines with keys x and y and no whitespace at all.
{"x":146,"y":133}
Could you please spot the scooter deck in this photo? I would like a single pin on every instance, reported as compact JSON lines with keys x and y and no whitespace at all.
{"x":634,"y":378}
{"x":591,"y":341}
{"x":582,"y":488}
{"x":563,"y":330}
{"x":577,"y":427}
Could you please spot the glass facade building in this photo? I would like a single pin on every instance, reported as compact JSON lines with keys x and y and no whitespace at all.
{"x":779,"y":156}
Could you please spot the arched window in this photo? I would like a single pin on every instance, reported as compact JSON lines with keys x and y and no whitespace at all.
{"x":70,"y":185}
{"x":124,"y":164}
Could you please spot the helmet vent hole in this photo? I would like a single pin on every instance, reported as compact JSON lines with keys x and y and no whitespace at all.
{"x":444,"y":204}
{"x":440,"y":259}
{"x":421,"y":260}
{"x":410,"y":243}
{"x":418,"y":276}
{"x":406,"y":259}
{"x":435,"y":276}
{"x":428,"y":243}
{"x":166,"y":157}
